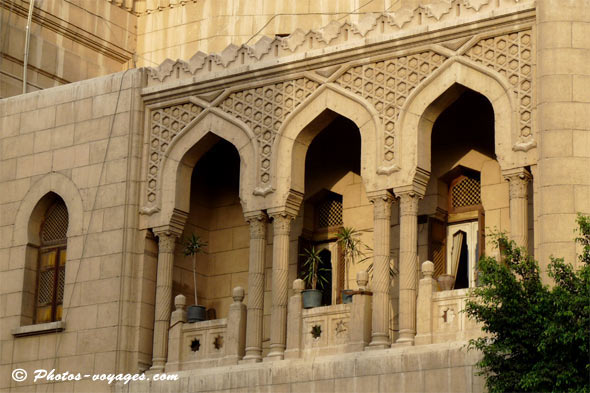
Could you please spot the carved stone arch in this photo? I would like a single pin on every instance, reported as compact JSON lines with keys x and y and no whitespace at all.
{"x":434,"y":95}
{"x":305,"y":122}
{"x":188,"y":147}
{"x":52,"y":183}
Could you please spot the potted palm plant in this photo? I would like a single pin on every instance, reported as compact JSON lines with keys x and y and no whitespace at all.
{"x":193,"y":246}
{"x":312,"y":297}
{"x":352,"y":250}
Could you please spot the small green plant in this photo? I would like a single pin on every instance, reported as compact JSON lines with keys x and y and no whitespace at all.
{"x":193,"y":246}
{"x":311,"y":269}
{"x":352,"y":249}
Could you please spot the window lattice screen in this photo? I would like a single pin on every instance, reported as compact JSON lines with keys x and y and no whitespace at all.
{"x":46,"y":281}
{"x":466,"y":192}
{"x":329,"y":213}
{"x":55,"y":227}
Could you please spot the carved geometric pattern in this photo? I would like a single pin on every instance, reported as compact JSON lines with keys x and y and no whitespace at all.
{"x":388,"y":83}
{"x":166,"y":123}
{"x":511,"y":56}
{"x":467,"y":192}
{"x":264,"y":109}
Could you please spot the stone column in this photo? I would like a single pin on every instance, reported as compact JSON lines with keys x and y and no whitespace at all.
{"x":257,"y":221}
{"x":382,"y":201}
{"x":408,"y":252}
{"x":166,"y":246}
{"x":519,"y":180}
{"x":280,"y":291}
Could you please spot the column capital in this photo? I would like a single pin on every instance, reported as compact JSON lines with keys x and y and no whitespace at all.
{"x":281,"y":222}
{"x":382,"y":201}
{"x":518,"y":179}
{"x":257,"y":220}
{"x":408,"y":203}
{"x":166,"y":241}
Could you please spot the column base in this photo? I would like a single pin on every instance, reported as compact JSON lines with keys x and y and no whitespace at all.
{"x":402,"y":344}
{"x":251,"y":359}
{"x":277,"y":354}
{"x":406,"y":336}
{"x":157,"y":368}
{"x":379,"y":341}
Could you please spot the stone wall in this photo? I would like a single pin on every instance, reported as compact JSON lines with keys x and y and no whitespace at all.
{"x":70,"y":41}
{"x":82,"y":142}
{"x":433,"y":368}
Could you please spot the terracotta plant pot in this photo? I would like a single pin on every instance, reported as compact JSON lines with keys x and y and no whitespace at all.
{"x":445,"y":282}
{"x":312,"y":298}
{"x":196,"y":314}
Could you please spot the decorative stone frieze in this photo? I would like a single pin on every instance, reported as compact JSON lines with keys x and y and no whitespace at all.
{"x":165,"y":124}
{"x":511,"y":55}
{"x":387,"y":84}
{"x":264,"y":110}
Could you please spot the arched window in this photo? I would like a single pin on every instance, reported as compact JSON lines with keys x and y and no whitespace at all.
{"x":52,"y":263}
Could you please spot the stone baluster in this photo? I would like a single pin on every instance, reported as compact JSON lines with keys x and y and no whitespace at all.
{"x":236,"y":329}
{"x":166,"y":246}
{"x":408,"y":265}
{"x":280,"y":291}
{"x":519,"y":179}
{"x":359,"y":332}
{"x":426,"y":290}
{"x":177,"y":320}
{"x":257,"y":221}
{"x":295,"y":321}
{"x":382,"y":201}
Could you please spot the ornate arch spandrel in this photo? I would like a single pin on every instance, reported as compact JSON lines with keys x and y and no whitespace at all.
{"x":174,"y":173}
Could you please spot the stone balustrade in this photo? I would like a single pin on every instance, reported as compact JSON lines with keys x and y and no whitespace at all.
{"x":331,"y":329}
{"x":440,"y":316}
{"x":205,"y":344}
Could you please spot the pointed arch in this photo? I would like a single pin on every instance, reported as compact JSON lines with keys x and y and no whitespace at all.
{"x":188,"y":147}
{"x":304,"y":123}
{"x":52,"y":183}
{"x":434,"y":95}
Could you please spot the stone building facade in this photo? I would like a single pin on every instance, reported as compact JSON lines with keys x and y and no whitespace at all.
{"x":425,"y":126}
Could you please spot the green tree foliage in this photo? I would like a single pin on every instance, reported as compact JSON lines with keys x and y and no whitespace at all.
{"x":538,"y":336}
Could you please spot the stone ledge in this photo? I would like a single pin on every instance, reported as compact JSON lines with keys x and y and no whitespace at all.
{"x":41,"y":328}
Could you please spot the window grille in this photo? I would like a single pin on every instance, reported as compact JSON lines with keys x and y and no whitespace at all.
{"x":329,"y":213}
{"x":52,"y":261}
{"x":467,"y":192}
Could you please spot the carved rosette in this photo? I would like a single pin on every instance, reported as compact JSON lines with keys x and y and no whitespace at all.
{"x":387,"y":84}
{"x":165,"y":124}
{"x":511,"y":55}
{"x":264,"y":110}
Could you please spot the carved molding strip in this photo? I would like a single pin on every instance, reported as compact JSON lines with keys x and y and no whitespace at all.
{"x":511,"y":56}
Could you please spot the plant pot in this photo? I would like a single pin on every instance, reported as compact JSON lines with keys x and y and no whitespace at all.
{"x":445,"y":282}
{"x":312,"y":298}
{"x":196,"y":314}
{"x":347,"y":296}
